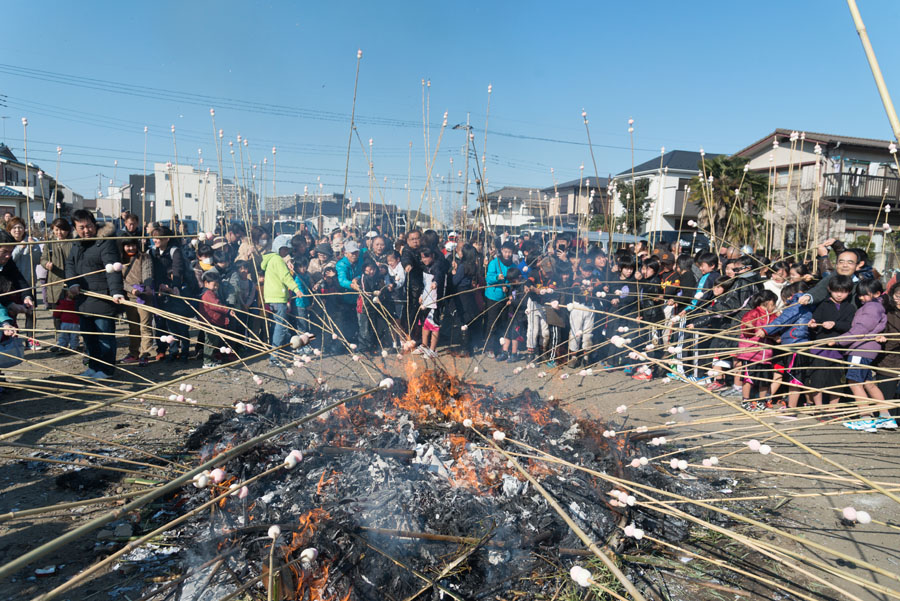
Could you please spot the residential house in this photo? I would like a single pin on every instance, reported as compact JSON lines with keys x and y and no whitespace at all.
{"x":670,"y":176}
{"x":513,"y":207}
{"x":37,"y":189}
{"x":569,"y":203}
{"x":186,"y":192}
{"x":328,"y":211}
{"x":849,"y":181}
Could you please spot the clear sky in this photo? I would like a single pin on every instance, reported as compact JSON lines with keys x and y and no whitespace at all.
{"x":90,"y":76}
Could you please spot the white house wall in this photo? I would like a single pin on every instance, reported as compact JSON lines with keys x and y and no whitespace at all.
{"x":184,"y":181}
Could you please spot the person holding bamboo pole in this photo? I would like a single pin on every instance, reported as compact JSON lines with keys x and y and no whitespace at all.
{"x":53,"y":259}
{"x":173,"y":278}
{"x":26,"y":257}
{"x":91,"y":268}
{"x":137,"y":274}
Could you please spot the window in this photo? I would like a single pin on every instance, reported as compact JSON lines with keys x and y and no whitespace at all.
{"x":187,"y":195}
{"x":168,"y":203}
{"x":167,"y":176}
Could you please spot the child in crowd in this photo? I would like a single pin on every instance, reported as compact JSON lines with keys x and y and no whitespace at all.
{"x":516,"y":320}
{"x":68,"y":322}
{"x":791,"y":325}
{"x":428,"y":303}
{"x":832,"y":317}
{"x":215,"y":313}
{"x":300,"y":271}
{"x":777,"y":280}
{"x":868,"y":321}
{"x":753,"y":349}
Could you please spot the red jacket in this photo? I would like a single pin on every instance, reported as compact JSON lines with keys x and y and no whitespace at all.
{"x":214,"y":312}
{"x":749,"y":344}
{"x":64,"y":311}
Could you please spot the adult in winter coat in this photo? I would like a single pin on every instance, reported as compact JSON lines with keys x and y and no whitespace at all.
{"x":86,"y":269}
{"x":53,"y":259}
{"x":497,"y":290}
{"x":172,"y":276}
{"x":26,"y":257}
{"x":278,"y":285}
{"x":137,"y":275}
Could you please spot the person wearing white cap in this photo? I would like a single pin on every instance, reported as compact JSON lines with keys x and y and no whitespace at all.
{"x":349,"y":271}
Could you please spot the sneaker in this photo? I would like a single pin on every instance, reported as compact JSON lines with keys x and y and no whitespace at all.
{"x":129,"y":360}
{"x":143,"y":362}
{"x":275,"y":362}
{"x":88,"y":373}
{"x":502,"y":356}
{"x":642,"y":376}
{"x":716,"y":385}
{"x":862,"y":425}
{"x":551,"y":364}
{"x":160,"y":356}
{"x":732,"y":391}
{"x":211,"y":364}
{"x":698,"y":380}
{"x":888,"y":423}
{"x":752,"y":406}
{"x":99,"y":375}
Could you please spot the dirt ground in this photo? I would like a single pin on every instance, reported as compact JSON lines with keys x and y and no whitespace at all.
{"x":704,"y":429}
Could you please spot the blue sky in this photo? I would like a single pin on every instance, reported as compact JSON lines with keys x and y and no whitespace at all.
{"x":707,"y":73}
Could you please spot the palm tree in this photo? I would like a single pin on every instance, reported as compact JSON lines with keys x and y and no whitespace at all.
{"x":731,"y":199}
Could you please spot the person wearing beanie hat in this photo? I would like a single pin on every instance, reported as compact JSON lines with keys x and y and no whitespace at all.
{"x":324,"y":258}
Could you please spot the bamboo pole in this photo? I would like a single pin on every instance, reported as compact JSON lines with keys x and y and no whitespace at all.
{"x":876,"y":70}
{"x":350,"y":135}
{"x":609,"y":563}
{"x":11,"y":567}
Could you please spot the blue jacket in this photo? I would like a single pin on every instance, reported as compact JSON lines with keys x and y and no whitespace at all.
{"x":791,"y":324}
{"x":495,"y":269}
{"x":301,"y":302}
{"x":346,"y":273}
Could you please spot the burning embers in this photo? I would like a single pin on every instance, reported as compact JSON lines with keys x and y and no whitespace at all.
{"x":389,"y":485}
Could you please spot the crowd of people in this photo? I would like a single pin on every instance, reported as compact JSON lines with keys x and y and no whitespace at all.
{"x":774,"y":333}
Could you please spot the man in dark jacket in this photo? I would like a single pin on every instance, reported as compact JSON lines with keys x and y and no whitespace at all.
{"x":89,"y":267}
{"x":412,"y":264}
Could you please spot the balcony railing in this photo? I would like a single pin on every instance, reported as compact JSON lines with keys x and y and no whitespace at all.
{"x":864,"y":189}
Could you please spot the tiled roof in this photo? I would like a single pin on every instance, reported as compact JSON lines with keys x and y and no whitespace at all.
{"x":576,"y":183}
{"x":6,"y":153}
{"x":812,"y":138}
{"x":7,"y":192}
{"x":681,"y":160}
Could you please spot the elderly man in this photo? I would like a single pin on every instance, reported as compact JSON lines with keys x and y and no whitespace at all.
{"x":349,"y":271}
{"x":849,"y":264}
{"x":89,"y":269}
